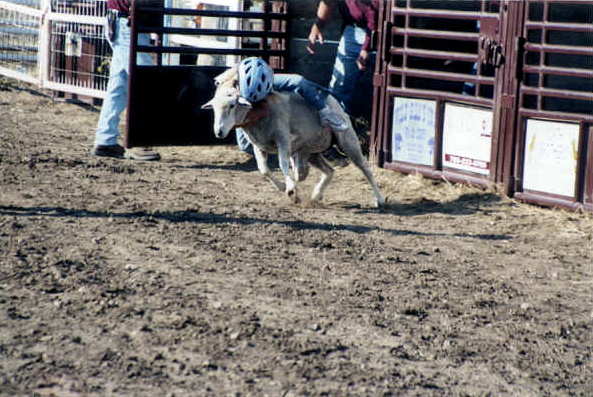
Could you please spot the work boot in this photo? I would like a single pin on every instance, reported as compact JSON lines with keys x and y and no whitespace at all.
{"x":333,"y":120}
{"x":115,"y":151}
{"x":142,"y":154}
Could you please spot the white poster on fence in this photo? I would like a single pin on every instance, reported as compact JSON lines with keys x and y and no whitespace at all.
{"x":551,"y":157}
{"x":467,"y":138}
{"x":413,"y":131}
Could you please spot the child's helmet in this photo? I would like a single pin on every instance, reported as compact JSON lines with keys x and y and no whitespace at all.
{"x":256,"y":79}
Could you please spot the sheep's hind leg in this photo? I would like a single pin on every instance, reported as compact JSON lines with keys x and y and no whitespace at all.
{"x":300,"y":165}
{"x":348,"y":143}
{"x":327,"y":173}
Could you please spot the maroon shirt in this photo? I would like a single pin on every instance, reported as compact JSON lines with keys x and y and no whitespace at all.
{"x":362,"y":13}
{"x":119,"y":5}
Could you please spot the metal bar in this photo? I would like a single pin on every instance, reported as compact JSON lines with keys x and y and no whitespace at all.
{"x":546,"y":114}
{"x":559,"y":49}
{"x":559,"y":26}
{"x":558,"y":71}
{"x":437,"y":34}
{"x":547,"y":200}
{"x":542,"y":58}
{"x":482,"y":182}
{"x":17,"y":48}
{"x":407,"y":18}
{"x":414,"y":92}
{"x":453,"y":56}
{"x":556,"y":93}
{"x":21,"y":31}
{"x":92,"y":92}
{"x":439,"y":75}
{"x":215,"y":13}
{"x":73,"y":18}
{"x":213,"y":32}
{"x":18,"y":75}
{"x":448,"y":174}
{"x":206,"y":50}
{"x":43,"y":66}
{"x":409,"y":168}
{"x":21,"y":9}
{"x":441,"y":14}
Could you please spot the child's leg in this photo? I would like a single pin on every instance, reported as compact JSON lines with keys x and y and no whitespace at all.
{"x":314,"y":94}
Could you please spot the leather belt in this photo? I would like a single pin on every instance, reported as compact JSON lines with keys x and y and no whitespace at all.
{"x":120,"y":14}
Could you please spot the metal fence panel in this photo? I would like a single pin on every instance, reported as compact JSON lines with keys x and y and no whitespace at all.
{"x":519,"y":84}
{"x":20,"y":23}
{"x":437,"y":70}
{"x":57,"y":44}
{"x":79,"y":57}
{"x":556,"y":105}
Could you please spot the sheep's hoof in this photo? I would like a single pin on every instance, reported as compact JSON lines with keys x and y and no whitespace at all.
{"x":379,"y":202}
{"x":317,"y":197}
{"x":292,"y":194}
{"x":315,"y":204}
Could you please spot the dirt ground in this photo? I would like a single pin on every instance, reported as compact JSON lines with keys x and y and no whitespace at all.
{"x":193,"y":276}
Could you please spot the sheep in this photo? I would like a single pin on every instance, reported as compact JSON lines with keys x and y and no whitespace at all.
{"x":292,"y":129}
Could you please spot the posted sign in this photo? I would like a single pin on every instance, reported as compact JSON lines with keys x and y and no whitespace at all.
{"x":467,"y":138}
{"x":413,"y":131}
{"x":551,"y":156}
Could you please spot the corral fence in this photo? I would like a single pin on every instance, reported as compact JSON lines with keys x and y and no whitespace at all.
{"x":491,"y":93}
{"x":56,"y":44}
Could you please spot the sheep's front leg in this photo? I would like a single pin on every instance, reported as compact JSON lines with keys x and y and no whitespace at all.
{"x":284,"y":162}
{"x":261,"y":159}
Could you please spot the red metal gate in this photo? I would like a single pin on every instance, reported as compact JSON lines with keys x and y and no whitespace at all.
{"x":460,"y":86}
{"x":554,"y":144}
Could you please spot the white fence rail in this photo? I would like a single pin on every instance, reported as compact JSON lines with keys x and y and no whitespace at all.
{"x":19,"y":40}
{"x":56,"y":44}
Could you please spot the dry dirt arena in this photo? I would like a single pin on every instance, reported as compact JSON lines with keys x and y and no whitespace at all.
{"x":192,"y":276}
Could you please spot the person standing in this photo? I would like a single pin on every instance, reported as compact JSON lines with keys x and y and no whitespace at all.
{"x":107,"y":133}
{"x":356,"y":47}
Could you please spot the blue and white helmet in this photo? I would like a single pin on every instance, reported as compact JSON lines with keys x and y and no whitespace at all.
{"x":256,"y":79}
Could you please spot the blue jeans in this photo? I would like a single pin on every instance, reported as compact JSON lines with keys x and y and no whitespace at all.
{"x":346,"y":73}
{"x":242,"y":141}
{"x":311,"y":92}
{"x":115,"y":100}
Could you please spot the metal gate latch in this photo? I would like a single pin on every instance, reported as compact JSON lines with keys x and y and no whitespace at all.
{"x":491,"y":52}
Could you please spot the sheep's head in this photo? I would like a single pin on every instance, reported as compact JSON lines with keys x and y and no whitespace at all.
{"x":230,"y":109}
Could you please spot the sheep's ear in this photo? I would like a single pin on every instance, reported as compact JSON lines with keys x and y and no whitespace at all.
{"x":207,"y":105}
{"x":243,"y":102}
{"x":225,"y":76}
